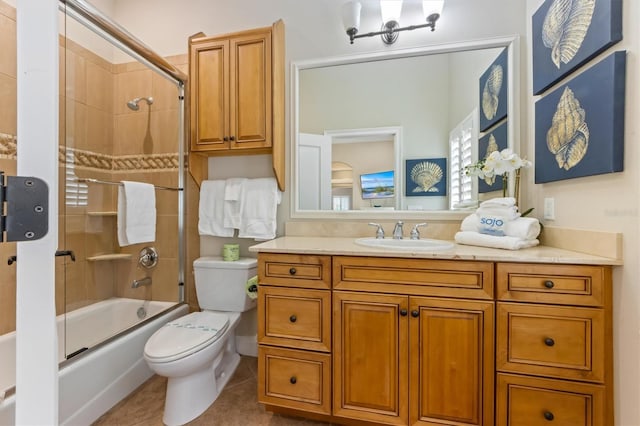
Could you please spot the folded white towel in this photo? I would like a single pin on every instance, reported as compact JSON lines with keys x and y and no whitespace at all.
{"x":211,"y":209}
{"x":232,"y":194}
{"x":477,"y":239}
{"x":527,"y":228}
{"x":499,"y":202}
{"x":509,"y":213}
{"x":136,"y":213}
{"x":258,"y":208}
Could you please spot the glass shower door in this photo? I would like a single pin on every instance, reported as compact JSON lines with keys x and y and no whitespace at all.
{"x":121,"y":122}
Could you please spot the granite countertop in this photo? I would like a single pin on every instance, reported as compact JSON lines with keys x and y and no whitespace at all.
{"x":347,"y":246}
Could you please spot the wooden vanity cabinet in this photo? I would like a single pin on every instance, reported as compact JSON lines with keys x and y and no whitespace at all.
{"x":405,"y":341}
{"x":401,"y":357}
{"x":554,"y":345}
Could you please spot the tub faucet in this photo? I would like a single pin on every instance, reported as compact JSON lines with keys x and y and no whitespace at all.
{"x":143,"y":281}
{"x":397,"y":230}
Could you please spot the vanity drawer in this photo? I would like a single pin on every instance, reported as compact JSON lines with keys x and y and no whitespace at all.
{"x":292,"y":270}
{"x":551,"y":341}
{"x":555,"y":284}
{"x":530,"y":401}
{"x":294,"y":317}
{"x":294,"y":379}
{"x":420,"y":277}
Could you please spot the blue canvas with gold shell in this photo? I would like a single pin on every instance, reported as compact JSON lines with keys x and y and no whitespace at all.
{"x":493,"y":91}
{"x":426,"y":177}
{"x":580,"y":126}
{"x":495,"y":140}
{"x":568,"y":33}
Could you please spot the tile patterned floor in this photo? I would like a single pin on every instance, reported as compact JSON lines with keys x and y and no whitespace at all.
{"x":237,"y":405}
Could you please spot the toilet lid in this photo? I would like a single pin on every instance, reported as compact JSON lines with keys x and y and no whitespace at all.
{"x":185,"y":335}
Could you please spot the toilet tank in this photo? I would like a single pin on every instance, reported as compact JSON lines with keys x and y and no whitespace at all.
{"x":221,"y":285}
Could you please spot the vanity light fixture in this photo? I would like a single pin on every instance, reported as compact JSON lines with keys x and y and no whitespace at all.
{"x":390,"y":10}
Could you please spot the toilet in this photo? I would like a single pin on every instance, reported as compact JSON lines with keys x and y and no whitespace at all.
{"x":197,"y":352}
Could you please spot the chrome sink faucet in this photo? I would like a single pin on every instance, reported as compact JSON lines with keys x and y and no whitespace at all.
{"x":397,"y":230}
{"x":379,"y":231}
{"x":415,"y":234}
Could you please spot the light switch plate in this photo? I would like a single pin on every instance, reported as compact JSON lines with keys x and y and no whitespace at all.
{"x":549,"y":209}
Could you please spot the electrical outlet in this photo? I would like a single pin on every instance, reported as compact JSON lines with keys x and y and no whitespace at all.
{"x":549,"y":209}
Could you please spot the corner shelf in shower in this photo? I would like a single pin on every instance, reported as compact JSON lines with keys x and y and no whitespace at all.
{"x":110,"y":256}
{"x":102,"y":213}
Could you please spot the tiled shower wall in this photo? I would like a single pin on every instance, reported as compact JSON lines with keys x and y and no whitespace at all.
{"x":109,"y":142}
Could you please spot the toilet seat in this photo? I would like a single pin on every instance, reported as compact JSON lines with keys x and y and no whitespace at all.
{"x":185,"y":336}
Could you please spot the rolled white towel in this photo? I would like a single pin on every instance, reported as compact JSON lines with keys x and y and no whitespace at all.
{"x":509,"y":213}
{"x":499,"y":202}
{"x":477,"y":239}
{"x":527,"y":228}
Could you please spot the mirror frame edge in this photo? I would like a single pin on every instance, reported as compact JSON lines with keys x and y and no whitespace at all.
{"x":511,"y":42}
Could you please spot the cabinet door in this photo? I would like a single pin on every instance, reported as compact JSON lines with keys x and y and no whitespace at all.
{"x":451,"y":362}
{"x":209,"y":62}
{"x":370,"y":357}
{"x":250,"y":80}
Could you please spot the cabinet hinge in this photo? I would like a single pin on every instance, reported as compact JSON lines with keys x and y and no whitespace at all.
{"x":24,"y":208}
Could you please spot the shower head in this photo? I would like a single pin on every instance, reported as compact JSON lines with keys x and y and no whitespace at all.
{"x":133,"y":103}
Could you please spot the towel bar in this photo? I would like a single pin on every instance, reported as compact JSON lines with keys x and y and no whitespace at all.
{"x":106,"y":182}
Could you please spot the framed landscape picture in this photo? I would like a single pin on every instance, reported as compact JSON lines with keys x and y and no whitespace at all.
{"x":567,"y":34}
{"x":580,"y":126}
{"x":494,"y":91}
{"x":426,"y":177}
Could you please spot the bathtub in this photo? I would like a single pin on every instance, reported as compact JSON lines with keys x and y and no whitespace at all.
{"x":95,"y":379}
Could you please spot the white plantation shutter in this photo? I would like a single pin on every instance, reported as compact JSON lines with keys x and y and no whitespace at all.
{"x":76,"y":194}
{"x":461,"y":142}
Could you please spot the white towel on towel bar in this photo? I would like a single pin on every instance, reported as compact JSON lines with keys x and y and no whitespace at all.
{"x":211,"y":209}
{"x":258,"y":208}
{"x":136,"y":213}
{"x":232,"y":195}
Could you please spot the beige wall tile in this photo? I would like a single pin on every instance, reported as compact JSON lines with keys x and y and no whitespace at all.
{"x":7,"y":10}
{"x":131,"y":133}
{"x":100,"y":85}
{"x":165,"y":281}
{"x":166,"y":232}
{"x":9,"y":102}
{"x":8,"y":46}
{"x":76,"y":124}
{"x":100,"y":280}
{"x":75,"y":77}
{"x":165,"y":93}
{"x":164,"y":129}
{"x":99,"y":131}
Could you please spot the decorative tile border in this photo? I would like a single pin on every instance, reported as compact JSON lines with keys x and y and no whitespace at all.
{"x":90,"y":160}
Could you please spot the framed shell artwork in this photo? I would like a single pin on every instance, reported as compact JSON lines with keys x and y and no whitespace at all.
{"x":495,"y":140}
{"x":567,"y":34}
{"x":494,"y":92}
{"x":580,"y":125}
{"x":426,"y":177}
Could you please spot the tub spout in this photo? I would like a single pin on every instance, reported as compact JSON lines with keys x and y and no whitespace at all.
{"x":143,"y":281}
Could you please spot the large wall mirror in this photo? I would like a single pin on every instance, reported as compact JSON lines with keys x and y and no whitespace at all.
{"x":371,"y":132}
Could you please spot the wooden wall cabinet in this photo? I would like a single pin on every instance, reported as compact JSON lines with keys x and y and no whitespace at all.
{"x":236,"y":88}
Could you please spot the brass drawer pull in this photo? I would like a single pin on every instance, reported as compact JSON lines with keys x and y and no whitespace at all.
{"x":548,"y":415}
{"x":549,"y":284}
{"x":549,"y":341}
{"x":292,"y":271}
{"x":293,"y":318}
{"x":293,"y":380}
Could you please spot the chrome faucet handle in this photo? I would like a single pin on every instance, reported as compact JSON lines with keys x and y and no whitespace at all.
{"x":397,"y":230}
{"x":379,"y":231}
{"x":415,"y":234}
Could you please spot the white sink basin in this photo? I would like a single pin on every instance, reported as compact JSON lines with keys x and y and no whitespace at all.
{"x":405,"y":244}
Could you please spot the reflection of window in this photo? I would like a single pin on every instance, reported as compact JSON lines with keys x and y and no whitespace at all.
{"x":461,"y":141}
{"x":76,"y":194}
